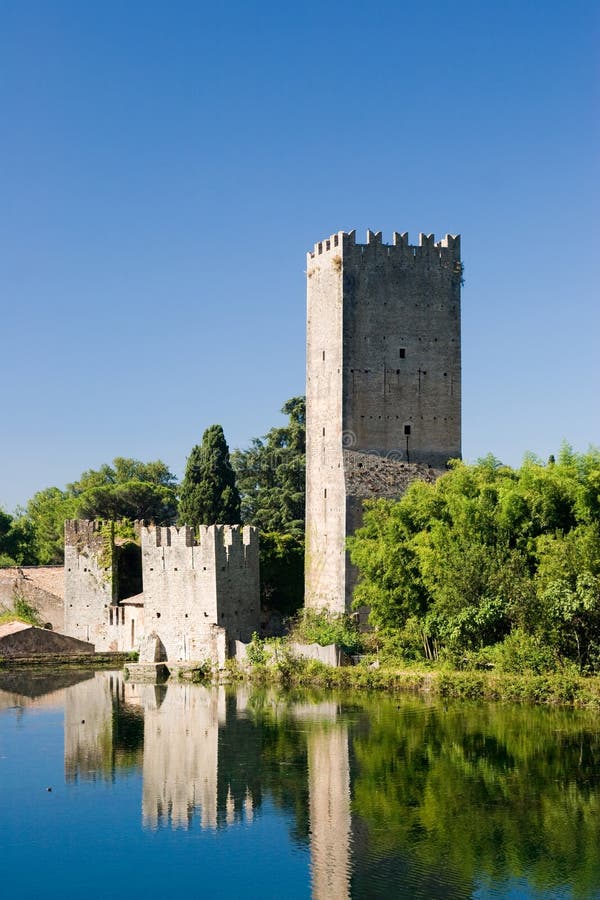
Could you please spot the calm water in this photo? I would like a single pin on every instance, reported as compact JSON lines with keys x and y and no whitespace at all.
{"x":187,"y":791}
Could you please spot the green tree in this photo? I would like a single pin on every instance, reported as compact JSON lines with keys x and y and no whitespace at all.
{"x":47,"y":511}
{"x":16,"y":540}
{"x":208,"y":491}
{"x":281,"y":572}
{"x":271,"y":475}
{"x":127,"y":489}
{"x":486,"y":552}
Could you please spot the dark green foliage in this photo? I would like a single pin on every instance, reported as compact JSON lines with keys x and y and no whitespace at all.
{"x":208,"y":492}
{"x":47,"y":511}
{"x":133,"y":500}
{"x":271,"y":475}
{"x":281,"y":572}
{"x":325,"y":628}
{"x":127,"y":489}
{"x":489,"y":556}
{"x":16,"y":540}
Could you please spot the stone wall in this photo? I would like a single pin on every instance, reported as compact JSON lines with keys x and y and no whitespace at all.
{"x":89,"y":553}
{"x":21,"y":641}
{"x":201,"y":590}
{"x":383,"y":380}
{"x":40,"y":586}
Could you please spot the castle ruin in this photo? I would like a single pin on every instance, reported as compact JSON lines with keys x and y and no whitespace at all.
{"x":171,"y":593}
{"x":383,"y":383}
{"x":383,"y":409}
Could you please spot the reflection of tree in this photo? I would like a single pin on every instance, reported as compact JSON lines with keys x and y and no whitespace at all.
{"x":443,"y":800}
{"x":283,"y":759}
{"x":487,"y":793}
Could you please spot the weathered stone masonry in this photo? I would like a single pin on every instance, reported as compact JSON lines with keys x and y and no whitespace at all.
{"x":200,"y":590}
{"x":383,"y":386}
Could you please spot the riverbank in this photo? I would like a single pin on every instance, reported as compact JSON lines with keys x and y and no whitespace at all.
{"x":563,"y":689}
{"x":550,"y":688}
{"x":58,"y":662}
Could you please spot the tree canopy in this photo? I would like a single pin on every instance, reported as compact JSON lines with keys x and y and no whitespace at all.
{"x":208,"y":491}
{"x":127,"y":489}
{"x":16,"y":540}
{"x":271,"y":474}
{"x":489,"y":557}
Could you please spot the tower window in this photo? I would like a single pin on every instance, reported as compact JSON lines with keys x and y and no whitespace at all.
{"x":323,"y":356}
{"x":323,"y":432}
{"x":407,"y":430}
{"x":325,"y":492}
{"x":402,"y":352}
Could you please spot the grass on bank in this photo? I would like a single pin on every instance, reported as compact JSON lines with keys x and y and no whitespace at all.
{"x":516,"y":671}
{"x":549,"y":688}
{"x":22,"y":611}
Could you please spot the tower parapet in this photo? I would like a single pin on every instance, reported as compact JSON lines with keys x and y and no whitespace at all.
{"x":446,"y":249}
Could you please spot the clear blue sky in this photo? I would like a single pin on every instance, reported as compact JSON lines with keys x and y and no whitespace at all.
{"x":165,"y":166}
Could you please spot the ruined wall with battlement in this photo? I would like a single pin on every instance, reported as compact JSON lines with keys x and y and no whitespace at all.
{"x":89,"y":553}
{"x":201,"y":589}
{"x":383,"y":378}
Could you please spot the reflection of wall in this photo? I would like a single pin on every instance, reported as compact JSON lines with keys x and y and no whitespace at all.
{"x":37,"y":687}
{"x":103,"y":727}
{"x":330,"y":822}
{"x":181,"y":740}
{"x":239,"y":776}
{"x":89,"y":728}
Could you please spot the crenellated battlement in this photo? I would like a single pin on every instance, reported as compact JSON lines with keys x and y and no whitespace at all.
{"x":196,"y":588}
{"x":448,"y":247}
{"x":79,"y":532}
{"x":227,"y":540}
{"x":93,"y":532}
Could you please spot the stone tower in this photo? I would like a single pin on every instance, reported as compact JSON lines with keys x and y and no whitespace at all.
{"x":383,"y":386}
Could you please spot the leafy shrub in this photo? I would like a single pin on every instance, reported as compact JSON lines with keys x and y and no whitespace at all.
{"x":522,"y":652}
{"x":256,"y":651}
{"x":325,"y":628}
{"x":25,"y":611}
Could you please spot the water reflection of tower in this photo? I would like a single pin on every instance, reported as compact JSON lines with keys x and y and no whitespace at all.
{"x":329,"y":800}
{"x":192,"y":741}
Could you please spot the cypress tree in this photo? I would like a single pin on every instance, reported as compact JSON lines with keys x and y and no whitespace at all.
{"x":208,"y":491}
